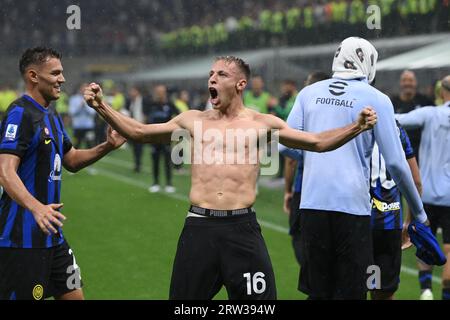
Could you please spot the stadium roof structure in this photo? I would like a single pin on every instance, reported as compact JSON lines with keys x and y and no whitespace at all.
{"x":436,"y":55}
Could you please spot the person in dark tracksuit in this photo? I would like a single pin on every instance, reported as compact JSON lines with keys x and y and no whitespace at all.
{"x":161,"y":110}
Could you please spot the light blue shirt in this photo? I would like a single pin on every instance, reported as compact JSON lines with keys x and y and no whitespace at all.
{"x":434,"y":151}
{"x":339,"y":180}
{"x":83,"y":117}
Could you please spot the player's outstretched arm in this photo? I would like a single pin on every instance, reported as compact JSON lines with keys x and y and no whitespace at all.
{"x":416,"y":118}
{"x":327,"y":140}
{"x":126,"y":126}
{"x":75,"y":160}
{"x":46,"y":216}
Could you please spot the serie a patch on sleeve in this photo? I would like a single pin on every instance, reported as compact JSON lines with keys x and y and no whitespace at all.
{"x":11,"y":132}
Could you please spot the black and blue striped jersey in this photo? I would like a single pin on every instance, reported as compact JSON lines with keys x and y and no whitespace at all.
{"x":37,"y":136}
{"x":386,"y":198}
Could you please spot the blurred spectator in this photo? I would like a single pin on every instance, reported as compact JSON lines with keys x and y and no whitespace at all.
{"x":83,"y":120}
{"x":437,"y":93}
{"x":408,"y":100}
{"x":316,"y":76}
{"x":135,"y":108}
{"x":282,"y":110}
{"x":287,"y":99}
{"x":62,"y":107}
{"x":182,"y":103}
{"x":118,"y":99}
{"x":256,"y":98}
{"x":7,"y":96}
{"x":158,"y":111}
{"x":204,"y":102}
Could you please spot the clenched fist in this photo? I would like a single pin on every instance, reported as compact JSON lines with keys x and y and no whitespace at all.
{"x":93,"y":95}
{"x":367,"y":119}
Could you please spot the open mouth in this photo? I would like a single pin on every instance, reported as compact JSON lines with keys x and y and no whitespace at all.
{"x":214,"y":95}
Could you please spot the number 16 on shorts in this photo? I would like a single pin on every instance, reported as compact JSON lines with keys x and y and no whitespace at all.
{"x":255,"y":284}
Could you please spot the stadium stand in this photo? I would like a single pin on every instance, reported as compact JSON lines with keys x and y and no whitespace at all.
{"x":163,"y":27}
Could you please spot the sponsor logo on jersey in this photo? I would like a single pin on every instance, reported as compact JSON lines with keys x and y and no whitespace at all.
{"x":385,"y":207}
{"x":335,"y":102}
{"x":337,"y":88}
{"x":11,"y":132}
{"x":55,"y":174}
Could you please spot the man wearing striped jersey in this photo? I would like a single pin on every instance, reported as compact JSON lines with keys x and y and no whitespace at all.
{"x":36,"y":262}
{"x":386,"y":218}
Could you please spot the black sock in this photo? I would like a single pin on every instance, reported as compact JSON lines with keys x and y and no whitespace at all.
{"x":425,"y":280}
{"x":445,"y":293}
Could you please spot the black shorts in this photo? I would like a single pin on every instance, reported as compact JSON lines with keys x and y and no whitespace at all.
{"x":28,"y":274}
{"x":229,"y":251}
{"x":387,"y":254}
{"x":294,"y":214}
{"x":294,"y":225}
{"x":439,"y":217}
{"x":336,"y":252}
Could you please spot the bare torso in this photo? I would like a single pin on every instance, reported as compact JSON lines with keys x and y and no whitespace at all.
{"x":224,"y":158}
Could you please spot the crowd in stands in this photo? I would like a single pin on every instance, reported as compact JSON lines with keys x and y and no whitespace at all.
{"x":307,"y":22}
{"x":171,"y":27}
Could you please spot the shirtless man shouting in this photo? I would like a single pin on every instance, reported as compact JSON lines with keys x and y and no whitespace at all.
{"x":221,"y":243}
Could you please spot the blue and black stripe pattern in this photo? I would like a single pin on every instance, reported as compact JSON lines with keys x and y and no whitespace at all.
{"x":37,"y":136}
{"x":386,"y":197}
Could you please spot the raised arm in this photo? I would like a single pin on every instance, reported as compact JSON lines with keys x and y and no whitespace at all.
{"x":327,"y":140}
{"x":415,"y":118}
{"x":75,"y":160}
{"x":126,"y":126}
{"x":388,"y":140}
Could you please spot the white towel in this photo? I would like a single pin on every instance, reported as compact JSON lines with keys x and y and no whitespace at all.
{"x":355,"y":58}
